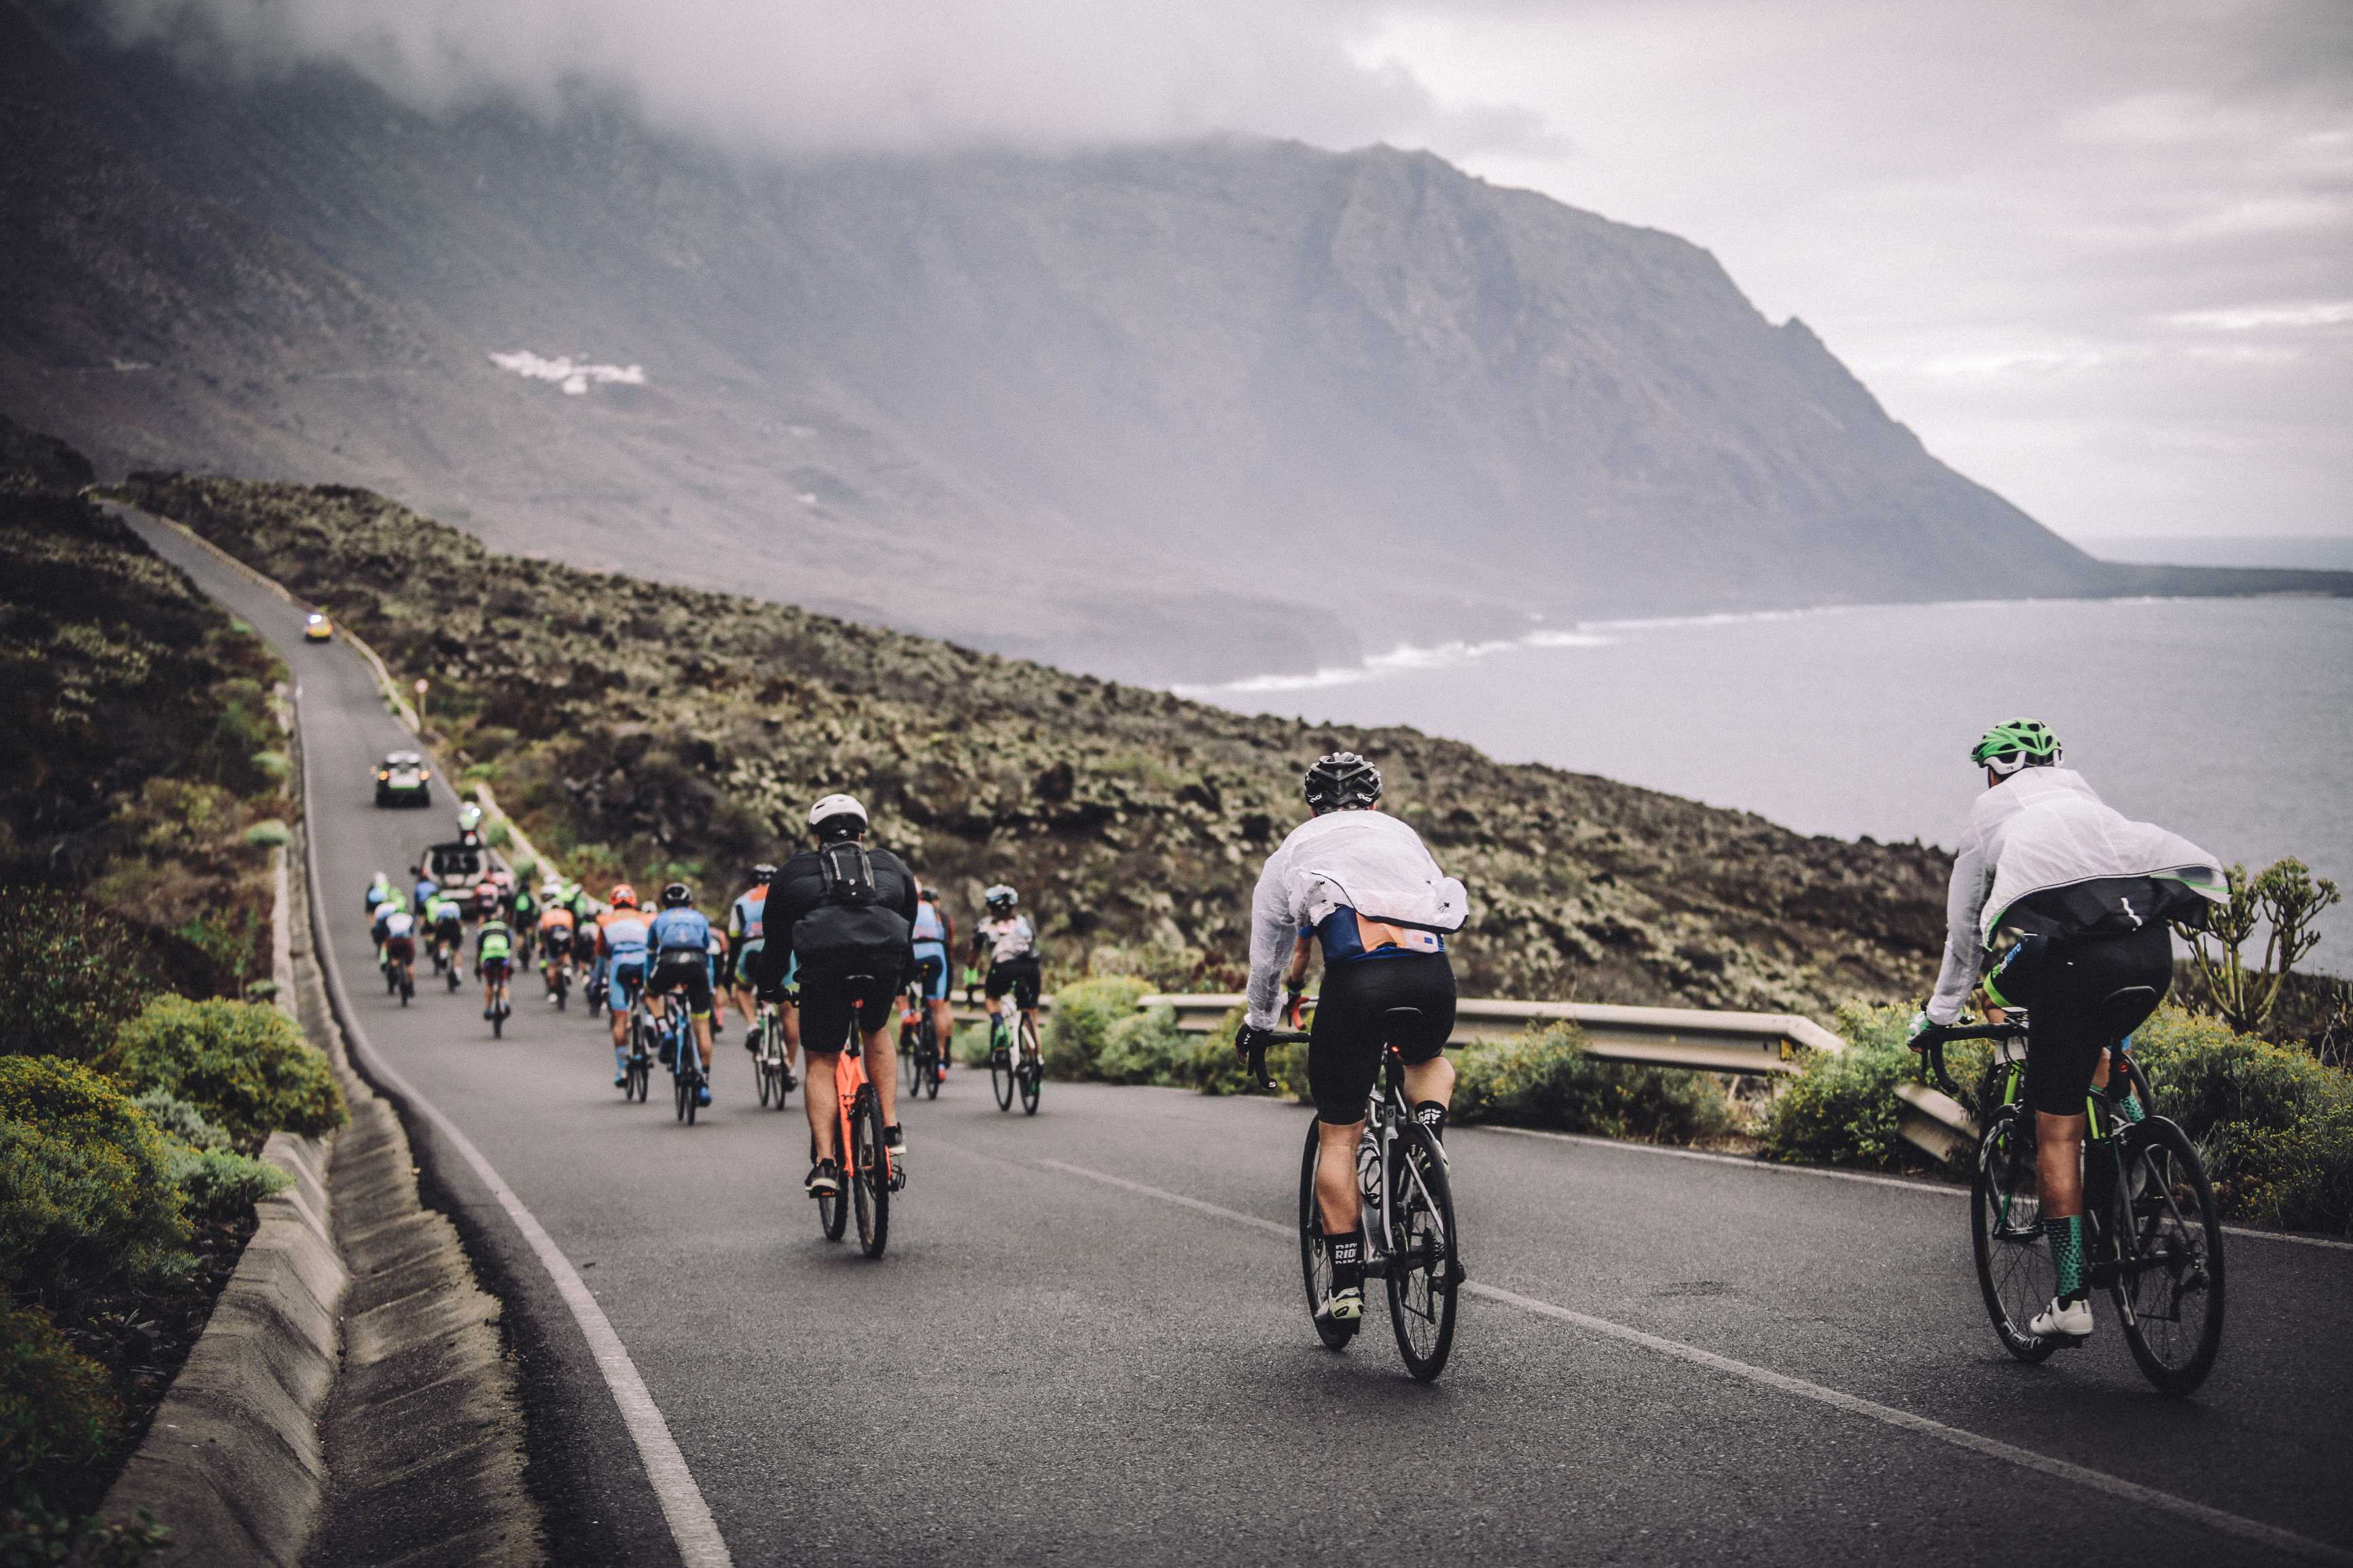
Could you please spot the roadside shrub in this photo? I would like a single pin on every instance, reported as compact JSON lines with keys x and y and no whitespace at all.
{"x":244,"y":1065}
{"x":1547,"y":1078}
{"x":176,"y":1118}
{"x":2274,"y":1126}
{"x":217,"y":1184}
{"x":1843,"y":1109}
{"x":271,"y":834}
{"x":1147,"y":1048}
{"x":87,"y":1192}
{"x":1083,"y":1015}
{"x":71,"y":974}
{"x":57,"y":1407}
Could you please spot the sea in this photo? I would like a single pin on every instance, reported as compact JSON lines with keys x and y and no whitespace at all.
{"x":2228,"y":721}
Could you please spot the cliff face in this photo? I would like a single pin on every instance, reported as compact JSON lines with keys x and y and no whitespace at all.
{"x":1188,"y":411}
{"x":642,"y":731}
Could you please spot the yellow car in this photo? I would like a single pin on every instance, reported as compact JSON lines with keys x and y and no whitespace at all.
{"x":315,"y":628}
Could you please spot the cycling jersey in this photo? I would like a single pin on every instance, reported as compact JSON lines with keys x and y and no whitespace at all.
{"x":426,"y":888}
{"x":1007,"y":939}
{"x":395,"y":924}
{"x":676,"y":931}
{"x":622,"y":935}
{"x":1365,"y":868}
{"x":494,"y":942}
{"x":554,"y":921}
{"x":930,"y":925}
{"x":746,"y":916}
{"x":2043,"y":849}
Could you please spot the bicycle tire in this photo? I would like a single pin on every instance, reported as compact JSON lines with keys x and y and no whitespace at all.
{"x":913,"y":1059}
{"x":2173,"y":1214}
{"x":833,"y":1214}
{"x":1425,"y":1271}
{"x":1031,"y":1063}
{"x":1000,"y":1075}
{"x":870,"y":1188}
{"x":2015,"y":1274}
{"x":497,"y":1023}
{"x":1313,"y":1270}
{"x":678,"y":1094}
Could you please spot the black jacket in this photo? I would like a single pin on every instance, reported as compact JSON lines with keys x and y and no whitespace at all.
{"x":799,"y":921}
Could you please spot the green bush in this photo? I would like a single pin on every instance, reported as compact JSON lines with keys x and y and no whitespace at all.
{"x":271,"y":834}
{"x":244,"y":1065}
{"x":71,"y":974}
{"x":1147,"y":1048}
{"x":87,"y":1192}
{"x":1083,"y":1015}
{"x":2274,"y":1126}
{"x":1842,"y":1109}
{"x":1547,"y":1078}
{"x":176,"y":1118}
{"x":218,"y":1185}
{"x":57,"y":1408}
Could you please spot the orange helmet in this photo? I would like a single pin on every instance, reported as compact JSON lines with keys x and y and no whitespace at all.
{"x":623,"y":897}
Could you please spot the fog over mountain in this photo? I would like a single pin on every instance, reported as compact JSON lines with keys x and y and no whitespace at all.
{"x":1170,"y":411}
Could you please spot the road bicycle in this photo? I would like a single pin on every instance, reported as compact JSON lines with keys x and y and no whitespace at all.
{"x":674,"y":1029}
{"x":399,"y":980}
{"x":501,"y":1008}
{"x":769,"y":1064}
{"x":1015,"y":1065}
{"x":868,"y":1175}
{"x":2153,"y":1235}
{"x":1410,"y":1240}
{"x":919,"y":1044}
{"x":637,"y":1066}
{"x":556,"y":974}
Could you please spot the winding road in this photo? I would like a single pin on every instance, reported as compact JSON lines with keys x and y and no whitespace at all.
{"x":1087,"y":1345}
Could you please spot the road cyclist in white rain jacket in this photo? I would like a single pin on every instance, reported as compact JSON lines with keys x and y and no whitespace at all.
{"x":2082,"y":894}
{"x":1359,"y":884}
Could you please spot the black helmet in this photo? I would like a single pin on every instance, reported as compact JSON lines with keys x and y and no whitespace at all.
{"x":1342,"y":779}
{"x":764,"y":872}
{"x":677,"y":896}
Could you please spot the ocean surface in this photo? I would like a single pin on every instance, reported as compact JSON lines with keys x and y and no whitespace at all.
{"x":2228,"y":721}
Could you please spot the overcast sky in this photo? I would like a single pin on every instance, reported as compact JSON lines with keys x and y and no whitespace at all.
{"x":2099,"y":256}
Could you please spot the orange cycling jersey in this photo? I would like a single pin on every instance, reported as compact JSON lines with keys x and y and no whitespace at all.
{"x":555,"y":920}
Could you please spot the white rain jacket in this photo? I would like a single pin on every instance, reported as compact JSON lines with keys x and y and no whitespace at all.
{"x":1367,"y":861}
{"x":2045,"y":828}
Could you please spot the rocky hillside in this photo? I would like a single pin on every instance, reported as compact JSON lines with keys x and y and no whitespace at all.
{"x":637,"y":727}
{"x":1112,"y":409}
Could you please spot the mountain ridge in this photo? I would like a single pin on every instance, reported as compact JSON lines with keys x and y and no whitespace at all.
{"x":1070,"y":407}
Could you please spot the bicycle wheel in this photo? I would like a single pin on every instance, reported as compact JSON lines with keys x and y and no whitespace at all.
{"x":2171,"y":1292}
{"x":1425,"y":1268}
{"x":870,"y":1185}
{"x":832,"y":1209}
{"x":1313,"y":1266}
{"x":679,"y":1094}
{"x":1033,"y":1067}
{"x":1000,"y":1072}
{"x":913,"y":1055}
{"x":2014,"y":1269}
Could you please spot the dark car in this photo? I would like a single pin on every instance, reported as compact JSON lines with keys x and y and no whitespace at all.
{"x":403,"y":779}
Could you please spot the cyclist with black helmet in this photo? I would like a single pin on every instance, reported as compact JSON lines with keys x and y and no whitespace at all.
{"x":1010,"y":942}
{"x":678,"y":950}
{"x":1359,"y":883}
{"x":842,"y":913}
{"x":2083,"y":895}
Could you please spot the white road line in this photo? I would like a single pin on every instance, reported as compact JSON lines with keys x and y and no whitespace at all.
{"x":690,"y":1524}
{"x":1934,"y":1189}
{"x":2269,"y":1536}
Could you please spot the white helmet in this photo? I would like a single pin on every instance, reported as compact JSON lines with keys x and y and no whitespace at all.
{"x":470,"y":818}
{"x":836,"y":806}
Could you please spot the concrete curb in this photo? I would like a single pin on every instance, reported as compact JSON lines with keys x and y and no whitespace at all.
{"x":351,"y":1401}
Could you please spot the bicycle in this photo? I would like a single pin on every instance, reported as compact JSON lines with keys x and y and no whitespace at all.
{"x":1410,"y":1240}
{"x":557,"y":975}
{"x":637,"y":1067}
{"x":1008,"y":1075}
{"x":919,"y":1044}
{"x":869,"y":1176}
{"x":399,"y":980}
{"x":2153,"y":1235}
{"x":502,"y":1009}
{"x":769,"y":1064}
{"x":675,"y":1029}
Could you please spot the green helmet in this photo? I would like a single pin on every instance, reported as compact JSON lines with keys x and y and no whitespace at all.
{"x":2016,"y":743}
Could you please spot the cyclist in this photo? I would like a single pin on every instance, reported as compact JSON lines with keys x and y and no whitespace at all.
{"x":2088,"y":893}
{"x":934,"y":939}
{"x":396,"y":939}
{"x":744,"y":940}
{"x":486,"y":902}
{"x":586,"y":958}
{"x":622,"y":934}
{"x":555,"y":932}
{"x":678,"y":945}
{"x":1359,"y":883}
{"x":377,"y":889}
{"x":421,"y":887}
{"x":837,"y":910}
{"x":1006,"y":935}
{"x":445,"y":918}
{"x":523,"y":910}
{"x":493,"y":960}
{"x":391,"y":904}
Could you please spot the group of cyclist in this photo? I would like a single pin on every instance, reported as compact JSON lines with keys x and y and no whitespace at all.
{"x":2069,"y":901}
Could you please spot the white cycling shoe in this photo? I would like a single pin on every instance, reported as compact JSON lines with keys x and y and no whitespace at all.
{"x":1343,"y":1306}
{"x":2067,"y":1320}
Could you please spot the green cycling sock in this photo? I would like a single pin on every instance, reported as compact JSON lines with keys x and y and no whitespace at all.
{"x":2066,"y":1238}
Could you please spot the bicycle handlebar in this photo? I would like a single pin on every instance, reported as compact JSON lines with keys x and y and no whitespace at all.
{"x":1256,"y":1065}
{"x":1931,"y":1047}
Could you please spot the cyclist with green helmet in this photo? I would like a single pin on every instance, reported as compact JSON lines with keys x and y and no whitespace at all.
{"x":2082,"y":894}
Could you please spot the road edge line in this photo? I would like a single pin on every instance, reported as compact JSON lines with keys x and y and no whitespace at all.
{"x":2220,"y":1520}
{"x":692,"y":1526}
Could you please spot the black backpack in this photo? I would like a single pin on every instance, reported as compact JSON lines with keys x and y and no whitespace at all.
{"x":849,"y":873}
{"x":850,"y":916}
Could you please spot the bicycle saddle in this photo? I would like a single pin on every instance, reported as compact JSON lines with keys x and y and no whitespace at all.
{"x":1395,"y":1021}
{"x":2122,"y":1009}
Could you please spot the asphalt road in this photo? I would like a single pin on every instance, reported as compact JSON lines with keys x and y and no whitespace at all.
{"x":1087,"y":1342}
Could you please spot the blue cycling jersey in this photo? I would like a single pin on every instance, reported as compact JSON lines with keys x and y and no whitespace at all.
{"x":680,"y":930}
